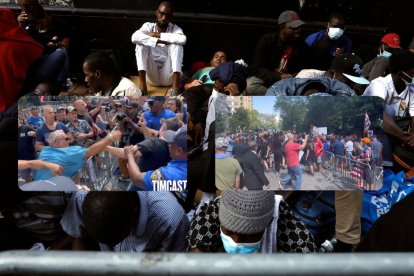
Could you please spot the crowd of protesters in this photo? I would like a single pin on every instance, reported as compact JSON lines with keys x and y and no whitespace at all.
{"x":67,"y":131}
{"x":277,"y":150}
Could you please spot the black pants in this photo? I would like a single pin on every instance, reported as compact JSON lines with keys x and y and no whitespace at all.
{"x":277,"y":156}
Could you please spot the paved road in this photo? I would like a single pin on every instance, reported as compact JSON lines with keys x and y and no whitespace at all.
{"x":319,"y":181}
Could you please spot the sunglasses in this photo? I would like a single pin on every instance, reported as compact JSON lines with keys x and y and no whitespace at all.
{"x":67,"y":139}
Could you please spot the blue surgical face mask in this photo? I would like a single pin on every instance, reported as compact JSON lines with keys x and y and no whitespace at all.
{"x":243,"y":248}
{"x":412,"y":78}
{"x":384,"y":53}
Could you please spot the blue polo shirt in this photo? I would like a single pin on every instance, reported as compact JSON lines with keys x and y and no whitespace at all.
{"x":153,"y":121}
{"x":175,"y":170}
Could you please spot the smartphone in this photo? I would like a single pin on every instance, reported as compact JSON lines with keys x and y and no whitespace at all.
{"x":204,"y":78}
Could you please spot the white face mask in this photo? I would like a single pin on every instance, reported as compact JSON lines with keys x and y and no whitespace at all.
{"x":406,"y":82}
{"x":335,"y":33}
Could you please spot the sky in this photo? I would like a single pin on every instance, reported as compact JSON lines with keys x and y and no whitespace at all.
{"x":264,"y":104}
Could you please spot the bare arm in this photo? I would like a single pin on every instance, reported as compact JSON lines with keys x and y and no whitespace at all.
{"x":237,"y":182}
{"x":137,"y":177}
{"x":40,"y":164}
{"x":304,"y":143}
{"x":101,"y":145}
{"x":118,"y":152}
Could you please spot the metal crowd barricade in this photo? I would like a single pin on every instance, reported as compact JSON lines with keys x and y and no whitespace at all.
{"x":97,"y":171}
{"x":112,"y":263}
{"x":348,"y":171}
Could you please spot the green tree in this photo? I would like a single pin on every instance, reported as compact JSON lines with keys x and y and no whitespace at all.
{"x":221,"y":122}
{"x":293,"y":110}
{"x":254,"y":119}
{"x":239,"y":121}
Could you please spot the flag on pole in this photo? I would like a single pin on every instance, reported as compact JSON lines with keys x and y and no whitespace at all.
{"x":367,"y":124}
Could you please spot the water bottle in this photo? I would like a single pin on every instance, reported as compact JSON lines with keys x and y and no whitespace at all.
{"x":328,"y":246}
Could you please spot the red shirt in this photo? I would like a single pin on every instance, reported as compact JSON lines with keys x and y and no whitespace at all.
{"x":292,"y":154}
{"x":17,"y":52}
{"x":318,"y":148}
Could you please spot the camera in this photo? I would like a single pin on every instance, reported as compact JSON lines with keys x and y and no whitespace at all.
{"x":120,"y":116}
{"x":107,"y":108}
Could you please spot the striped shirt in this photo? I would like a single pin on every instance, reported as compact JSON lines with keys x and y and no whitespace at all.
{"x":162,"y":224}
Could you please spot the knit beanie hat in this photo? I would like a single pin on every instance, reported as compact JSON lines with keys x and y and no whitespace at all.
{"x":246,"y":212}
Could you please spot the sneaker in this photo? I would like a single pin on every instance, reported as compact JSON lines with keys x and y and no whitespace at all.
{"x":116,"y":171}
{"x":124,"y":179}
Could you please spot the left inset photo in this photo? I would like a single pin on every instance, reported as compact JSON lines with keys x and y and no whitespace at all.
{"x":101,"y":144}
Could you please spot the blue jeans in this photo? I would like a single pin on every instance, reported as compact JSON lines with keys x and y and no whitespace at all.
{"x":296,"y":172}
{"x":55,"y":66}
{"x":349,"y":156}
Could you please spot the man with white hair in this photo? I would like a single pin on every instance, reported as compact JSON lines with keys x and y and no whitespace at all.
{"x":70,"y":157}
{"x":292,"y":159}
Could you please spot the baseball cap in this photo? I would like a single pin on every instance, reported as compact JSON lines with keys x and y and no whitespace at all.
{"x":366,"y":140}
{"x":156,"y":98}
{"x":178,"y":137}
{"x":133,"y":105}
{"x":221,"y":142}
{"x":291,"y":18}
{"x":60,"y":108}
{"x":70,"y":108}
{"x":350,"y":65}
{"x":392,"y":40}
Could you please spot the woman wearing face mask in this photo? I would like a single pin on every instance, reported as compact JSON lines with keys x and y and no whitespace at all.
{"x":378,"y":67}
{"x":329,"y":43}
{"x":248,"y":222}
{"x":397,"y":90}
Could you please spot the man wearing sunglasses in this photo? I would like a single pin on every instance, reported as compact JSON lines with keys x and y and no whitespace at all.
{"x":159,"y":51}
{"x":71,"y":158}
{"x":157,"y":112}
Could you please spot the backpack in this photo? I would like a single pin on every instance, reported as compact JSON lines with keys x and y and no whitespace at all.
{"x":317,"y":210}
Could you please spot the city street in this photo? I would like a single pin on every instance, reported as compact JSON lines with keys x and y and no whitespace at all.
{"x":319,"y":181}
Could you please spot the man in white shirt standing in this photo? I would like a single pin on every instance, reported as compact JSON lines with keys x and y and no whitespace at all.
{"x":397,"y":90}
{"x":159,"y":51}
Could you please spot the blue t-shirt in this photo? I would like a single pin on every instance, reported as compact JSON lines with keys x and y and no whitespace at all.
{"x":43,"y":132}
{"x":204,"y":75}
{"x":153,"y":121}
{"x":339,"y":148}
{"x":70,"y":158}
{"x":343,"y":42}
{"x":35,"y":122}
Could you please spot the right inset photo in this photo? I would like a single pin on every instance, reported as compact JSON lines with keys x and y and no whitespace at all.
{"x":299,"y":143}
